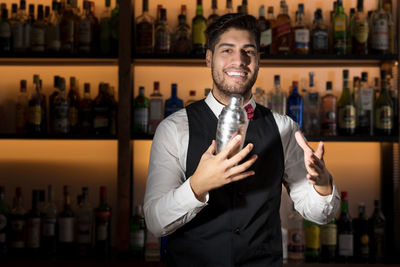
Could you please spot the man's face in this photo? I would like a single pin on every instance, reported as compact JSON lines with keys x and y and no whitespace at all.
{"x":234,"y":63}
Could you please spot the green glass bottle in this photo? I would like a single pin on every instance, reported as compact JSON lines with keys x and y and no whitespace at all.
{"x":339,"y":30}
{"x":199,"y":25}
{"x":384,"y":109}
{"x":141,"y":113}
{"x":313,"y":247}
{"x":114,"y":22}
{"x":346,"y":109}
{"x":137,"y":234}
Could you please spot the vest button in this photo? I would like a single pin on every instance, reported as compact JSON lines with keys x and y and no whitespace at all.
{"x":237,"y":231}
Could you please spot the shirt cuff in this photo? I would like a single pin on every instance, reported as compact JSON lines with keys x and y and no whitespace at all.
{"x":324,"y":202}
{"x":185,"y":197}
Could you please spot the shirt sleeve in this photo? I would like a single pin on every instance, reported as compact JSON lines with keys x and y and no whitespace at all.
{"x":169,"y":201}
{"x":308,"y":202}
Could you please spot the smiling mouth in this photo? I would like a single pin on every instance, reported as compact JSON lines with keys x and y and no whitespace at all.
{"x":237,"y":75}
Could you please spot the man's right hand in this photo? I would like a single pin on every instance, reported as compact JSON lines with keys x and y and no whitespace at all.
{"x":215,"y":171}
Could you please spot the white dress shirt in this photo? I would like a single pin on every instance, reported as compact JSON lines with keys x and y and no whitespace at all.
{"x":169,"y":201}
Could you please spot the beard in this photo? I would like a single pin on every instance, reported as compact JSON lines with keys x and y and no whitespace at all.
{"x":236,"y":88}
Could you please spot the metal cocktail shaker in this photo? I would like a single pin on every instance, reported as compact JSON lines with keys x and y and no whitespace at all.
{"x":231,"y":122}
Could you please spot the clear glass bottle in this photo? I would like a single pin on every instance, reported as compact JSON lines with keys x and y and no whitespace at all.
{"x":67,"y":29}
{"x":21,"y":109}
{"x":360,"y":30}
{"x":182,"y":44}
{"x":319,"y":34}
{"x":144,"y":36}
{"x":296,"y":244}
{"x":53,"y":42}
{"x":137,"y":234}
{"x":278,"y":98}
{"x":229,"y":8}
{"x":301,"y":33}
{"x":84,"y":226}
{"x":156,"y":113}
{"x":66,"y":228}
{"x":173,"y":103}
{"x":38,"y":35}
{"x":163,"y":35}
{"x":379,"y":30}
{"x":49,"y":237}
{"x":141,"y":113}
{"x":328,"y":112}
{"x":260,"y":97}
{"x":311,"y":116}
{"x":365,"y":98}
{"x":199,"y":26}
{"x":21,"y":30}
{"x":61,"y":110}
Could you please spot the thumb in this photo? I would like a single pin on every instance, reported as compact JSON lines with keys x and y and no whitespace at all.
{"x":320,"y":151}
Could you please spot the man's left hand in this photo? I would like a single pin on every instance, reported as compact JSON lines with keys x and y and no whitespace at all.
{"x":318,"y":174}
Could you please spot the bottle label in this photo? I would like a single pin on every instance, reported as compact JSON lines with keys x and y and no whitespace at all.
{"x":266,"y":38}
{"x":35,"y":115}
{"x":320,"y":40}
{"x":5,"y":30}
{"x":20,"y":116}
{"x":296,"y":240}
{"x":364,"y":241}
{"x":361,"y":31}
{"x":141,"y":118}
{"x":61,"y":117}
{"x":345,"y":245}
{"x":66,"y":231}
{"x":384,"y":117}
{"x":85,"y":32}
{"x":283,"y":29}
{"x":102,"y":232}
{"x":138,"y":238}
{"x":84,"y":226}
{"x":18,"y":34}
{"x":33,"y":235}
{"x":49,"y":226}
{"x":18,"y":233}
{"x":340,"y":24}
{"x":144,"y":35}
{"x":347,"y":117}
{"x":312,"y":237}
{"x":163,"y":40}
{"x":156,"y":106}
{"x":302,"y":38}
{"x":38,"y":39}
{"x":278,"y":104}
{"x":199,"y":36}
{"x":102,"y":224}
{"x":73,"y":116}
{"x":329,"y":234}
{"x":100,"y":122}
{"x":367,"y":98}
{"x":380,"y":35}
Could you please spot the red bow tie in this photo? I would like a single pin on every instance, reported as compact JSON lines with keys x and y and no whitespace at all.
{"x":250,"y":111}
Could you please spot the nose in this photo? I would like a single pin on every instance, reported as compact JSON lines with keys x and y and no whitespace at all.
{"x":241,"y":58}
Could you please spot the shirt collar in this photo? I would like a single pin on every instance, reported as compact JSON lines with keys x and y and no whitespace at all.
{"x":217,"y":107}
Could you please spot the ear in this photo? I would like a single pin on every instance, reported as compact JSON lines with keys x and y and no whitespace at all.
{"x":208,"y":58}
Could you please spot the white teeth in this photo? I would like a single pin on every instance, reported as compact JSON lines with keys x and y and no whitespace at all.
{"x":236,"y":74}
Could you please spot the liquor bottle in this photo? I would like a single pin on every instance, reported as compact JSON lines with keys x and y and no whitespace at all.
{"x":295,"y":105}
{"x":152,"y":247}
{"x":265,"y":31}
{"x":102,"y":112}
{"x":21,"y":109}
{"x":66,"y":228}
{"x":95,"y":30}
{"x":36,"y":110}
{"x":38,"y":37}
{"x":144,"y":31}
{"x":62,"y":110}
{"x":213,"y":16}
{"x":114,"y":24}
{"x":4,"y":224}
{"x":67,"y":29}
{"x":84,"y":225}
{"x":49,"y":238}
{"x":361,"y":236}
{"x":278,"y":98}
{"x":52,"y":98}
{"x":15,"y":27}
{"x":391,"y":28}
{"x":365,"y":106}
{"x":86,"y":112}
{"x":285,"y":241}
{"x":156,"y":108}
{"x":18,"y":226}
{"x":33,"y":227}
{"x":356,"y":87}
{"x":379,"y":30}
{"x":377,"y":233}
{"x":53,"y":42}
{"x":319,"y":34}
{"x":18,"y":28}
{"x":244,"y":7}
{"x":141,"y":112}
{"x":328,"y":242}
{"x":114,"y":110}
{"x":102,"y":244}
{"x":229,"y":8}
{"x":394,"y":96}
{"x":181,"y":44}
{"x":346,"y":109}
{"x":158,"y":16}
{"x":5,"y":33}
{"x":311,"y":109}
{"x":296,"y":236}
{"x":384,"y":109}
{"x":199,"y":25}
{"x":105,"y":30}
{"x":350,"y":31}
{"x":74,"y":101}
{"x":339,"y":30}
{"x":192,"y":98}
{"x":137,"y":234}
{"x":85,"y":30}
{"x":301,"y":33}
{"x":360,"y":30}
{"x":163,"y":35}
{"x":283,"y":31}
{"x":328,"y":112}
{"x":46,"y":14}
{"x":173,"y":103}
{"x":312,"y":237}
{"x":345,"y":232}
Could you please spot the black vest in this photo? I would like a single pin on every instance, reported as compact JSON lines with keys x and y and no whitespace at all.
{"x":241,"y":225}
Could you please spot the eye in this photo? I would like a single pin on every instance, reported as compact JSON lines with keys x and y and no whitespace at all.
{"x":226,"y":50}
{"x":250,"y":52}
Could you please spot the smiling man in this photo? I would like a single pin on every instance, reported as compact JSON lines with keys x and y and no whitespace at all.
{"x":224,"y":211}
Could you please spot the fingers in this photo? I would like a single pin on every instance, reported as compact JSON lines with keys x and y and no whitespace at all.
{"x":212,"y":148}
{"x":241,"y":176}
{"x":242,"y":167}
{"x":302,"y":142}
{"x":231,"y":146}
{"x":320,"y":151}
{"x":241,"y":155}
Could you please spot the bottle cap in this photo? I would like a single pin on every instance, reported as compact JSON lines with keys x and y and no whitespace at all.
{"x":156,"y":85}
{"x":345,"y":74}
{"x":192,"y":93}
{"x":344,"y":195}
{"x":364,"y":76}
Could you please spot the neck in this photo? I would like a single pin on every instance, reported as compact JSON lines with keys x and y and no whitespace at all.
{"x":224,"y":98}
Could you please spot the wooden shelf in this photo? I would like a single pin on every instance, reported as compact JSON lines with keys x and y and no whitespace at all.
{"x":59,"y":61}
{"x":272,"y":60}
{"x":56,"y":137}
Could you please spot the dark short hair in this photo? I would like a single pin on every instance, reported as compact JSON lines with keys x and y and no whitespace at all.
{"x":232,"y":20}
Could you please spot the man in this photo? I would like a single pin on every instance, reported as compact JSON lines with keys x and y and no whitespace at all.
{"x":221,"y":211}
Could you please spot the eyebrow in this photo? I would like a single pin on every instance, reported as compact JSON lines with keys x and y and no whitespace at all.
{"x":232,"y":45}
